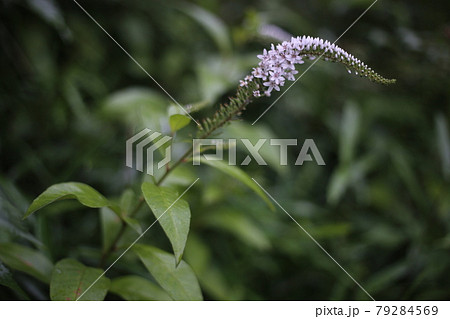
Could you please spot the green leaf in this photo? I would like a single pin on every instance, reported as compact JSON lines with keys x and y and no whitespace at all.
{"x":347,"y":175}
{"x":180,"y":282}
{"x":174,"y":215}
{"x":127,"y":204}
{"x":7,"y":280}
{"x":191,"y":107}
{"x":212,"y":278}
{"x":405,"y":170}
{"x":338,"y":184}
{"x":133,"y":223}
{"x":70,"y":279}
{"x":253,"y":133}
{"x":182,"y":176}
{"x":211,"y":23}
{"x":111,"y":226}
{"x":178,"y":121}
{"x":137,"y":105}
{"x":386,"y":277}
{"x":13,"y":231}
{"x":239,"y":174}
{"x":443,"y":142}
{"x":24,"y":259}
{"x":49,"y":11}
{"x":215,"y":76}
{"x":349,"y":133}
{"x":136,"y":288}
{"x":240,"y":226}
{"x":127,"y":201}
{"x":85,"y":194}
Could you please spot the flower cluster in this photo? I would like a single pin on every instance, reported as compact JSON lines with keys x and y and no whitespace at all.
{"x":278,"y":64}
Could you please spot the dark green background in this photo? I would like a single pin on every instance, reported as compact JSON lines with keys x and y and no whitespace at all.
{"x":380,"y":206}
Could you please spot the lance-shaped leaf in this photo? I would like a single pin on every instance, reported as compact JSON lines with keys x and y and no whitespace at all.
{"x":135,"y":288}
{"x":127,"y":203}
{"x":173,"y":215}
{"x":7,"y":280}
{"x":71,"y":279}
{"x":179,"y":281}
{"x":178,"y":121}
{"x":240,"y":226}
{"x":240,"y":175}
{"x":85,"y":194}
{"x":111,"y":226}
{"x":25,"y":259}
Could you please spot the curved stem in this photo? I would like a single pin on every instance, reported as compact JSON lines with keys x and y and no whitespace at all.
{"x":141,"y":201}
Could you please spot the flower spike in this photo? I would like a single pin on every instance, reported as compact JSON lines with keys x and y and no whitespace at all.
{"x":278,"y":64}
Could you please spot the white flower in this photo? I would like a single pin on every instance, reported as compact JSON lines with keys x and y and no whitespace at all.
{"x":256,"y":93}
{"x":278,"y":64}
{"x":243,"y":83}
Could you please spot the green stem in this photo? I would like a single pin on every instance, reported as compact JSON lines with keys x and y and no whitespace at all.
{"x":141,"y":201}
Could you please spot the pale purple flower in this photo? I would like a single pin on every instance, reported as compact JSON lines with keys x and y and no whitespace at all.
{"x":256,"y":93}
{"x":278,"y":64}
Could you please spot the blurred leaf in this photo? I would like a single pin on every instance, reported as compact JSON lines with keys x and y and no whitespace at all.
{"x":27,"y":260}
{"x":240,"y":175}
{"x":338,"y":184}
{"x":9,"y":192}
{"x":346,"y":175}
{"x":406,"y":172}
{"x":443,"y":143}
{"x":211,"y":278}
{"x":51,"y":13}
{"x":383,"y":235}
{"x":384,"y":278}
{"x":331,"y":230}
{"x":173,"y":215}
{"x":85,"y":194}
{"x":211,"y":23}
{"x":7,"y":280}
{"x":111,"y":226}
{"x":182,"y":176}
{"x":136,"y":288}
{"x":127,"y":204}
{"x":349,"y":132}
{"x":133,"y":223}
{"x":178,"y":121}
{"x":190,"y":108}
{"x":137,"y":106}
{"x":240,"y":226}
{"x":127,"y":201}
{"x":215,"y":76}
{"x":179,"y":282}
{"x":197,"y":254}
{"x":16,"y":232}
{"x":12,"y":206}
{"x":253,"y":133}
{"x":70,"y":279}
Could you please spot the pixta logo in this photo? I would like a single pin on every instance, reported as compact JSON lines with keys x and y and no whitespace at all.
{"x":144,"y":144}
{"x":308,"y":148}
{"x":143,"y":141}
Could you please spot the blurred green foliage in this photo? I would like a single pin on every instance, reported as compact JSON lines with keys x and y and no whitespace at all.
{"x":70,"y":97}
